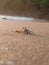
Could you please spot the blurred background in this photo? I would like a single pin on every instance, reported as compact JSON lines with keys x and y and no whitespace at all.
{"x":29,"y":8}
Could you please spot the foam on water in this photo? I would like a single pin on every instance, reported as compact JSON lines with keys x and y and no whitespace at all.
{"x":16,"y":18}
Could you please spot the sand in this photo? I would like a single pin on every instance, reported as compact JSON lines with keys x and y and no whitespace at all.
{"x":21,"y":49}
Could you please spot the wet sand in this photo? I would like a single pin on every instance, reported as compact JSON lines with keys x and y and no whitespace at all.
{"x":22,"y":49}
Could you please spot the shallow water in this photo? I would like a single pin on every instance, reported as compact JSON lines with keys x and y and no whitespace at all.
{"x":16,"y":18}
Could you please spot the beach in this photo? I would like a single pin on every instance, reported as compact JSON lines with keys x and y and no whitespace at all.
{"x":24,"y":49}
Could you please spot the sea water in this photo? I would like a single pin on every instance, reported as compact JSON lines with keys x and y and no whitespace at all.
{"x":18,"y":18}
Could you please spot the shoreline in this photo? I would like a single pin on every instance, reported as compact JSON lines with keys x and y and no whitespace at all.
{"x":20,"y":18}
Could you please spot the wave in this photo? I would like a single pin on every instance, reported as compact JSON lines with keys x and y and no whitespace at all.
{"x":16,"y":18}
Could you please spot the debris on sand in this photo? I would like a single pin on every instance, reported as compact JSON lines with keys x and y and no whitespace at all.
{"x":19,"y":31}
{"x":25,"y":31}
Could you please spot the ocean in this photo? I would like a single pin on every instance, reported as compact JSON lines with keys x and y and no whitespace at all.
{"x":18,"y":18}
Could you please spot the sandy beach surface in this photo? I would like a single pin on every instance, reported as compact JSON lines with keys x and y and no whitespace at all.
{"x":22,"y":49}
